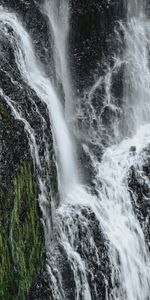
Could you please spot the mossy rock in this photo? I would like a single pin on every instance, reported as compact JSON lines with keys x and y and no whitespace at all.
{"x":21,"y":237}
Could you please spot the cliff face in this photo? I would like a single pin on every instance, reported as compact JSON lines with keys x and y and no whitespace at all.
{"x":92,"y":45}
{"x":138,"y":182}
{"x":92,"y":38}
{"x":21,"y":229}
{"x":96,"y":40}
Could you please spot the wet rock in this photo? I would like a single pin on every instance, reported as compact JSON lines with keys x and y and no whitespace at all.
{"x":139,"y":189}
{"x":133,"y":149}
{"x":92,"y":45}
{"x":14,"y":145}
{"x":95,"y":39}
{"x":21,"y":235}
{"x":21,"y":269}
{"x":92,"y":38}
{"x":88,"y":241}
{"x":35,"y":23}
{"x":41,"y":289}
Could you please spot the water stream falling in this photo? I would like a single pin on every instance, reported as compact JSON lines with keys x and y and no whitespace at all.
{"x":35,"y":77}
{"x":135,"y":8}
{"x":58,"y":17}
{"x":87,"y":218}
{"x":137,"y":86}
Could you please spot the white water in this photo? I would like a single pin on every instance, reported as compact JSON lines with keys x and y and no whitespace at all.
{"x":57,"y":12}
{"x":118,"y":219}
{"x":37,"y":80}
{"x":112,"y":206}
{"x":135,"y":7}
{"x":137,"y":83}
{"x":113,"y":209}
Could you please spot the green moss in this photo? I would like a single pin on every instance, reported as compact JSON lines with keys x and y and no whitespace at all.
{"x":21,"y":237}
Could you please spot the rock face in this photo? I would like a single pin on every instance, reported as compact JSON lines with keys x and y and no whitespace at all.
{"x":92,"y":38}
{"x":139,"y":179}
{"x":29,"y":13}
{"x":21,"y":229}
{"x":14,"y":144}
{"x":92,"y":45}
{"x":21,"y":236}
{"x":88,"y":241}
{"x":96,"y":39}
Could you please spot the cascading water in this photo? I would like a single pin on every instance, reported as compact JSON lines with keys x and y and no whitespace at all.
{"x":96,"y":237}
{"x":58,"y":16}
{"x":35,"y":77}
{"x":137,"y":86}
{"x":135,"y":7}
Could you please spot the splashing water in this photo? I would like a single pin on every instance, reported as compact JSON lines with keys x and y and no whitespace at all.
{"x":35,"y":77}
{"x":137,"y":78}
{"x":135,"y":7}
{"x":128,"y":252}
{"x":109,"y":207}
{"x":58,"y":16}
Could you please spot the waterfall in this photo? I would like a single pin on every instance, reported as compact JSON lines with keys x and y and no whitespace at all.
{"x":135,"y":8}
{"x":96,"y":248}
{"x":118,"y":219}
{"x":36,"y":79}
{"x":58,"y":17}
{"x":137,"y":73}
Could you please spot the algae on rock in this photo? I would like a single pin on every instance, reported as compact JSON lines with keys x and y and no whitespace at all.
{"x":21,"y":236}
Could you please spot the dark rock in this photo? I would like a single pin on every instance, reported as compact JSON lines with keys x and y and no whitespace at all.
{"x":139,"y":189}
{"x":14,"y":145}
{"x":36,"y":25}
{"x":95,"y":39}
{"x":41,"y":290}
{"x":84,"y":225}
{"x":92,"y":38}
{"x":133,"y":149}
{"x":15,"y":149}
